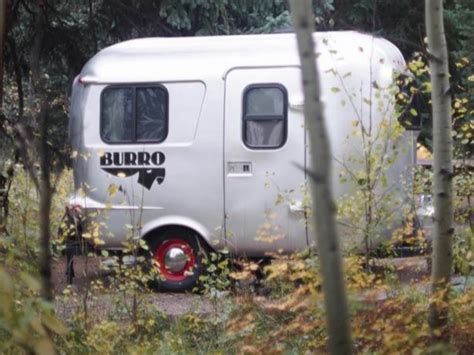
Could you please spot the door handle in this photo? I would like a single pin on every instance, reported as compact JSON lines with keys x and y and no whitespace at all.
{"x":237,"y":168}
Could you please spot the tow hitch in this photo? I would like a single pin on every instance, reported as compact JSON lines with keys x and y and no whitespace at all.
{"x":71,"y":230}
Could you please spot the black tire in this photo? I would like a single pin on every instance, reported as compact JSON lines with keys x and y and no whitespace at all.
{"x":191,"y":243}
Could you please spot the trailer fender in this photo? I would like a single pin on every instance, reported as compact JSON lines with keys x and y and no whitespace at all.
{"x":214,"y":241}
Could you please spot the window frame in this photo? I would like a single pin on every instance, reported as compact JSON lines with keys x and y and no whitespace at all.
{"x":134,"y":88}
{"x":283,"y":117}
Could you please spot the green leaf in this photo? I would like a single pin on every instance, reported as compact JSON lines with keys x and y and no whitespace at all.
{"x":30,"y":281}
{"x":212,"y":268}
{"x":223,"y":264}
{"x":54,"y":324}
{"x":45,"y":347}
{"x":6,"y":285}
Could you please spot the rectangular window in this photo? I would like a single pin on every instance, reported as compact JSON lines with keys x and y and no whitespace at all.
{"x":117,"y":115}
{"x":132,"y":114}
{"x":265,"y":116}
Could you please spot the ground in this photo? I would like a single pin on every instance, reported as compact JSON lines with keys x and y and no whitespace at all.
{"x":171,"y":304}
{"x":409,"y":270}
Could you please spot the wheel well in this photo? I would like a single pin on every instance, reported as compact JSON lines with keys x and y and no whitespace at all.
{"x":155,"y":233}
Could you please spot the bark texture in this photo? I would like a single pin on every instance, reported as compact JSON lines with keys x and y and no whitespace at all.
{"x":442,"y":168}
{"x":3,"y":33}
{"x":44,"y":179}
{"x":324,"y":208}
{"x":33,"y":147}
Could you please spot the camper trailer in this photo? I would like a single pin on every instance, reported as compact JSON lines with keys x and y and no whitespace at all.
{"x":199,"y":143}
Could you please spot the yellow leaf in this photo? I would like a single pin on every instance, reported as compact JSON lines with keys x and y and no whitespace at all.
{"x":253,"y":267}
{"x":98,"y":241}
{"x":462,"y":62}
{"x":427,"y":86}
{"x":112,"y":190}
{"x":280,"y":199}
{"x":240,"y":275}
{"x":412,"y":66}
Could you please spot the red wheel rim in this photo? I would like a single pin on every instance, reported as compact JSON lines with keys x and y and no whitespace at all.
{"x":164,"y":248}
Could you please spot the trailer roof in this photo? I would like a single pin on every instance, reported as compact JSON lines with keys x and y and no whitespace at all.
{"x":201,"y":58}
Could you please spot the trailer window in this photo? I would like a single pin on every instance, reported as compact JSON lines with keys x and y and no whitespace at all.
{"x":151,"y":114}
{"x":265,"y":116}
{"x":117,"y":115}
{"x":134,"y":114}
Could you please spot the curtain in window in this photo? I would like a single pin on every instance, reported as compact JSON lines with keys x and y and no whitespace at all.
{"x":117,"y":115}
{"x":151,"y":114}
{"x":264,"y":133}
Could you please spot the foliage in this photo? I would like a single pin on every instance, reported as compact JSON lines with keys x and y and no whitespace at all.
{"x":415,"y":96}
{"x":378,"y":198}
{"x":215,"y":278}
{"x":23,"y":222}
{"x":419,"y":87}
{"x":25,"y":319}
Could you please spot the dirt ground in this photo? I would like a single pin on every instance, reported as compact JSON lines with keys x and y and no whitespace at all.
{"x":409,"y":270}
{"x":170,"y":304}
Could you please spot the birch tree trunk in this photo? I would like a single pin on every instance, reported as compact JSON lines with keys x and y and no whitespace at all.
{"x":442,"y":168}
{"x":324,"y":208}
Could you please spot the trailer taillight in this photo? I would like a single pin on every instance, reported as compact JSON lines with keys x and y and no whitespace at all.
{"x":74,"y":211}
{"x":87,"y":79}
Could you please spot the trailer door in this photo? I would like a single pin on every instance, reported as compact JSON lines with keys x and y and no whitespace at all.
{"x":264,"y":161}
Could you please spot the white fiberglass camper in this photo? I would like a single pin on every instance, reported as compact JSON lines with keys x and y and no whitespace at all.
{"x":201,"y":136}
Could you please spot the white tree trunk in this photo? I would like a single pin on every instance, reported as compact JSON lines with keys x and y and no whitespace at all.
{"x":324,"y":208}
{"x":442,"y":166}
